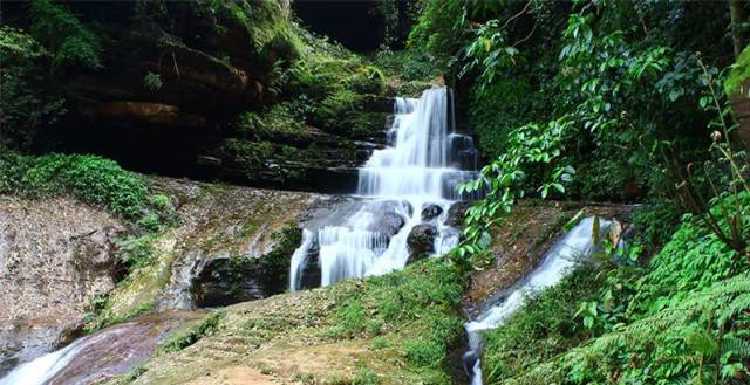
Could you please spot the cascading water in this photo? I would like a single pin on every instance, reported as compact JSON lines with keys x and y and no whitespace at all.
{"x":40,"y":370}
{"x":94,"y":358}
{"x":559,"y":261}
{"x":424,"y":162}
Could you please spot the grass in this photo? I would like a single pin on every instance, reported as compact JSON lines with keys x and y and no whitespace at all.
{"x":184,"y":338}
{"x":415,"y":311}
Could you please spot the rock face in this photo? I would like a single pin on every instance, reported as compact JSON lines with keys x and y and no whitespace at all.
{"x":56,"y":255}
{"x":219,"y":224}
{"x":226,"y":281}
{"x":430,"y":212}
{"x":421,"y":241}
{"x":388,"y":223}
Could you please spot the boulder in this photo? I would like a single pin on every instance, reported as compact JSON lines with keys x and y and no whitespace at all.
{"x":431,"y":211}
{"x":388,"y":223}
{"x":225,"y":281}
{"x":421,"y":241}
{"x":456,"y":214}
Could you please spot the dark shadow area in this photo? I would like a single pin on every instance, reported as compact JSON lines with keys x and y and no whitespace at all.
{"x":357,"y":25}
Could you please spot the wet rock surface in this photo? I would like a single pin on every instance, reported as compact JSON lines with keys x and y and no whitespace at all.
{"x":388,"y":223}
{"x":55,"y":256}
{"x":421,"y":241}
{"x":520,"y":242}
{"x":107,"y":353}
{"x":430,"y":212}
{"x":456,"y":213}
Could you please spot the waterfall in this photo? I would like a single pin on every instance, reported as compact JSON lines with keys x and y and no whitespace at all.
{"x":559,"y":261}
{"x":423,"y":163}
{"x":96,"y":357}
{"x":299,"y":260}
{"x":40,"y":370}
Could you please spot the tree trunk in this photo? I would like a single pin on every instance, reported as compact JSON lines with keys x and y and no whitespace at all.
{"x":737,"y":17}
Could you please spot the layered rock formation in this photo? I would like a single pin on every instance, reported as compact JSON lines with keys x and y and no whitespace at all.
{"x":55,"y":257}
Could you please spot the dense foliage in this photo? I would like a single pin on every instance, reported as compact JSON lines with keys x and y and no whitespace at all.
{"x":604,"y":100}
{"x":611,"y":101}
{"x":91,"y":179}
{"x":681,"y":319}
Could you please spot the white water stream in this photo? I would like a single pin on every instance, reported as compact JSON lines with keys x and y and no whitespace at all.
{"x":576,"y":246}
{"x":40,"y":370}
{"x":424,"y":162}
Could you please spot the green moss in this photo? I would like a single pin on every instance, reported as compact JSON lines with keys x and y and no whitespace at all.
{"x":739,"y":73}
{"x":416,"y":309}
{"x":266,"y":22}
{"x":137,"y":293}
{"x":183,"y":338}
{"x":105,"y":317}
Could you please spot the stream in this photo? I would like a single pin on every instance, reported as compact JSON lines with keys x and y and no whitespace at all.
{"x":575,"y":247}
{"x":111,"y":351}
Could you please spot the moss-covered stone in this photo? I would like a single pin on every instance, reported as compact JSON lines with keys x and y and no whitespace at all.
{"x":407,"y":325}
{"x":215,"y":221}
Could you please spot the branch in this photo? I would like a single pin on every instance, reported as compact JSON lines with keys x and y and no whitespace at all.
{"x":517,"y":15}
{"x":527,"y":36}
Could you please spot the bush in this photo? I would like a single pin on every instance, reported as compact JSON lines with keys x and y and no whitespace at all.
{"x":90,"y":178}
{"x":365,"y":377}
{"x":26,"y":102}
{"x":368,"y":80}
{"x":69,"y":41}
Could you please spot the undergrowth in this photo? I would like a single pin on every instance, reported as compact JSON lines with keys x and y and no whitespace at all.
{"x":91,"y":179}
{"x":415,"y":311}
{"x":184,"y":338}
{"x":682,"y":319}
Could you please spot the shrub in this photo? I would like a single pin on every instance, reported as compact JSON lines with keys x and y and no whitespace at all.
{"x":91,"y":179}
{"x":69,"y":41}
{"x":26,"y":102}
{"x":365,"y":377}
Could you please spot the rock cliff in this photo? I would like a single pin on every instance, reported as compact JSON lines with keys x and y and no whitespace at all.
{"x":56,"y":255}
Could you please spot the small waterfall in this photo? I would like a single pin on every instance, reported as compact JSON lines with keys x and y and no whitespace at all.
{"x":42,"y":369}
{"x":104,"y":354}
{"x":559,"y":261}
{"x":300,"y":259}
{"x":424,"y":162}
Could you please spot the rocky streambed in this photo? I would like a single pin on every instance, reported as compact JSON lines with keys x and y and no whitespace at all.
{"x":59,"y":259}
{"x":58,"y":255}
